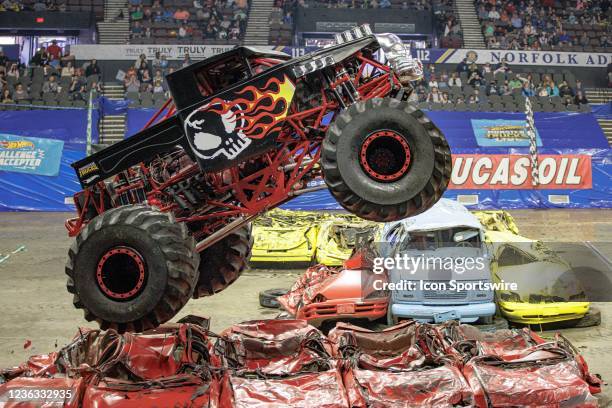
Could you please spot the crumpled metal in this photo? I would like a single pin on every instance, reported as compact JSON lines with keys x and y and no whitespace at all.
{"x":287,"y":363}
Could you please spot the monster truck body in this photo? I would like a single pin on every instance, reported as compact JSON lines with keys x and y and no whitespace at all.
{"x":164,"y":215}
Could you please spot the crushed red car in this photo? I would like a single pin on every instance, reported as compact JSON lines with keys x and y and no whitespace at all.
{"x":288,"y":363}
{"x":325,"y":293}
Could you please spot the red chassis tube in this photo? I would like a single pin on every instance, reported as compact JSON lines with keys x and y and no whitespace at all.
{"x":282,"y":173}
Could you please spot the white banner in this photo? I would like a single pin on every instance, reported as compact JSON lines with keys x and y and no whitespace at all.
{"x":557,"y":58}
{"x":131,"y":52}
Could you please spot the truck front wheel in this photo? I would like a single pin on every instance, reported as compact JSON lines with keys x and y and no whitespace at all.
{"x":384,"y":160}
{"x":132,"y":268}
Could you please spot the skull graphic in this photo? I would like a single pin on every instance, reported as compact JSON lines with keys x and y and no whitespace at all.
{"x":215,"y":134}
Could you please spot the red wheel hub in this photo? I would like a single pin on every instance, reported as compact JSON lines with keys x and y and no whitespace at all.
{"x":385,"y":155}
{"x":121,"y":273}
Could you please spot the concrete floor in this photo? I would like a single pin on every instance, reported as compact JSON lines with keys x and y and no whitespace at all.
{"x":35,"y":306}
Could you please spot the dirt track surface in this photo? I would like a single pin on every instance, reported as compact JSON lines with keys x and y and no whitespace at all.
{"x":35,"y":306}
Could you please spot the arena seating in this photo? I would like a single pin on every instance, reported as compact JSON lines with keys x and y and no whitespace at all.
{"x":214,"y":21}
{"x":574,"y":25}
{"x":97,"y":6}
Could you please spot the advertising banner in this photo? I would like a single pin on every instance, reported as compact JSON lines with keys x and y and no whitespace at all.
{"x":64,"y":130}
{"x":513,"y":171}
{"x":502,"y":133}
{"x":30,"y":154}
{"x":547,"y":58}
{"x":429,"y":55}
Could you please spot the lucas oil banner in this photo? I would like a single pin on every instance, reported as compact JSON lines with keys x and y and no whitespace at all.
{"x":31,"y":155}
{"x":513,"y":171}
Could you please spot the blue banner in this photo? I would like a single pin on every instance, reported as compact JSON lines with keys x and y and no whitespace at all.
{"x":31,"y":155}
{"x":502,"y":133}
{"x":34,"y":192}
{"x":560,"y":134}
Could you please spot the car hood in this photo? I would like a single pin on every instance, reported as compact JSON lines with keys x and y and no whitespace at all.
{"x":542,"y":282}
{"x":444,"y":264}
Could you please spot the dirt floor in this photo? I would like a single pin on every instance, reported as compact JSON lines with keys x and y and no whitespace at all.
{"x":36,"y":308}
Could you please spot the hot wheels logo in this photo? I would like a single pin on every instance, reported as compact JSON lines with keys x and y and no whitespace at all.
{"x":500,"y":171}
{"x":16,"y":144}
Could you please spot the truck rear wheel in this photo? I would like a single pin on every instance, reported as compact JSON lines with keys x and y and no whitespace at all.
{"x":132,"y":268}
{"x":223,"y":263}
{"x":384,"y":160}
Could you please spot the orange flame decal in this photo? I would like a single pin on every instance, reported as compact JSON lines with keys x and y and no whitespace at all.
{"x":259,"y":111}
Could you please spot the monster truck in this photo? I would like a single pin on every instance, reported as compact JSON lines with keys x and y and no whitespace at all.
{"x":164,"y":215}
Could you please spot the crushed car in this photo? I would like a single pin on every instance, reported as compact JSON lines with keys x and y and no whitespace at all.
{"x":327,"y":294}
{"x":546,"y":291}
{"x":339,"y":236}
{"x":283,"y":236}
{"x":288,"y":363}
{"x":440,"y":239}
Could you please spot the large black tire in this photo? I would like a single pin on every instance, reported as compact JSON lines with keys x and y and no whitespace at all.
{"x":132,"y":268}
{"x":404,"y":175}
{"x":223,"y":263}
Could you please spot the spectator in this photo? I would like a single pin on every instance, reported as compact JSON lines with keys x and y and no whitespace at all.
{"x":20,"y":93}
{"x":433,"y":83}
{"x":186,"y":60}
{"x":143,"y":73}
{"x":141,"y":58}
{"x":137,"y":30}
{"x":474,"y":79}
{"x":92,"y":69}
{"x":40,"y":57}
{"x":137,"y":13}
{"x":434,"y":96}
{"x":131,"y":82}
{"x":13,"y":72}
{"x":55,"y":53}
{"x":492,"y":88}
{"x":75,"y":88}
{"x":181,"y":15}
{"x":454,"y":80}
{"x":67,"y":70}
{"x":472,"y":99}
{"x":527,"y":89}
{"x":565,"y":89}
{"x":158,"y":82}
{"x":51,"y":85}
{"x":580,"y":98}
{"x":7,"y":97}
{"x":514,"y":83}
{"x":3,"y":61}
{"x":445,"y":99}
{"x":95,"y":87}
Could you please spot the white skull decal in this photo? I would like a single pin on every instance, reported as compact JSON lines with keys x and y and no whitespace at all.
{"x":230,"y":143}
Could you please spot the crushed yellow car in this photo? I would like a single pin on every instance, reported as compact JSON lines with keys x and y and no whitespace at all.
{"x":338,"y":236}
{"x":285,"y":236}
{"x":546,"y":289}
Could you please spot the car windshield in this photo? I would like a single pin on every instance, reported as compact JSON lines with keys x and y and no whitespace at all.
{"x":443,"y":238}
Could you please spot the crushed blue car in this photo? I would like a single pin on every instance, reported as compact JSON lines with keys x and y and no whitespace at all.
{"x":431,"y":279}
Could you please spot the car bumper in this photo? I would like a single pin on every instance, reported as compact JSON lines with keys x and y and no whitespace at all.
{"x":530,"y":313}
{"x":425,"y":313}
{"x":316,"y":313}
